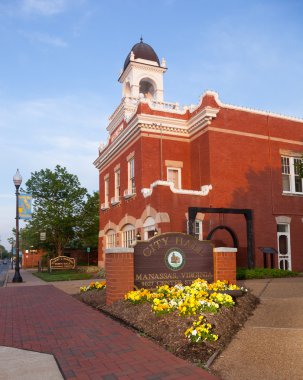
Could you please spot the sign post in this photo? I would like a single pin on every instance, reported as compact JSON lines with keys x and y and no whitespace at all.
{"x":88,"y":252}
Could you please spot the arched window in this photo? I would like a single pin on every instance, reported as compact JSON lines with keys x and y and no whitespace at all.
{"x":110,"y":239}
{"x":147,"y":89}
{"x":149,"y":227}
{"x":128,"y":235}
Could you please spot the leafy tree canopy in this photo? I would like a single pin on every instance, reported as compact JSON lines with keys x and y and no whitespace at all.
{"x":89,"y":226}
{"x":3,"y":252}
{"x":58,"y":201}
{"x":300,"y":167}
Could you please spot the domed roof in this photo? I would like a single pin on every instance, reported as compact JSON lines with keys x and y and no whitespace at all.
{"x":143,"y":51}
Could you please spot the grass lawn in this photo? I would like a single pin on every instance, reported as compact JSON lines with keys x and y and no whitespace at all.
{"x":62,"y":275}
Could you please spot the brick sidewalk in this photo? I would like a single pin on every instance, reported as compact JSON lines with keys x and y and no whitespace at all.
{"x":85,"y":343}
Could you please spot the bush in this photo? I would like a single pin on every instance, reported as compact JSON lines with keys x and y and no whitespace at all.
{"x":245,"y":274}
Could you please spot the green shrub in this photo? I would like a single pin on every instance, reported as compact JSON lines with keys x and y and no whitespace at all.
{"x":245,"y":274}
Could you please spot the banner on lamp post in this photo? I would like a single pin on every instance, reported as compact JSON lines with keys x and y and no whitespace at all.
{"x":25,"y":206}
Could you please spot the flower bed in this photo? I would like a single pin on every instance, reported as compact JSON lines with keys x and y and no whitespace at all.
{"x":198,"y":298}
{"x":180,"y":318}
{"x":93,"y":286}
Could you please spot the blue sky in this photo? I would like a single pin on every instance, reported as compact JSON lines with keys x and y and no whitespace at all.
{"x":60,"y":61}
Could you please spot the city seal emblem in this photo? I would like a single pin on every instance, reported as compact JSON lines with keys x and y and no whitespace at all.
{"x":174,"y":259}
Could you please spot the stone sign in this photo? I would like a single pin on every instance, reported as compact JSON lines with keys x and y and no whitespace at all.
{"x":172,"y":258}
{"x":62,"y":262}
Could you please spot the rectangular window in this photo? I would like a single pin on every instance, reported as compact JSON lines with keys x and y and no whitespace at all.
{"x":117,"y":185}
{"x":298,"y":179}
{"x":131,"y":176}
{"x":197,"y":229}
{"x":174,"y":176}
{"x":106,"y":191}
{"x":111,"y":240}
{"x":291,"y":180}
{"x":128,"y":238}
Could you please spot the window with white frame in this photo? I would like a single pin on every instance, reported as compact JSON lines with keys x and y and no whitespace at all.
{"x":128,"y":235}
{"x":106,"y":191}
{"x":110,"y":239}
{"x":131,"y":176}
{"x":197,"y":229}
{"x":291,"y":180}
{"x":117,"y":185}
{"x":174,"y":176}
{"x":149,"y":227}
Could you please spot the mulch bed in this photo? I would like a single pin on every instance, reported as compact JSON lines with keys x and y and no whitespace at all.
{"x":168,"y":330}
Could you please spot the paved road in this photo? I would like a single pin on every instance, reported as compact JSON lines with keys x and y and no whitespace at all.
{"x":3,"y":270}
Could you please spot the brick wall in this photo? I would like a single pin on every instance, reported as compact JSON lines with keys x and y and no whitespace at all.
{"x":225,"y":264}
{"x":119,"y":265}
{"x":239,"y":154}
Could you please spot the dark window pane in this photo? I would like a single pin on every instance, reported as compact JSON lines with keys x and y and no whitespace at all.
{"x":282,"y":228}
{"x":298,"y":184}
{"x":283,"y":244}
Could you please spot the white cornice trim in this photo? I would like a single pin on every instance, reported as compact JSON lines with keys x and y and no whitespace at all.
{"x":147,"y":192}
{"x":122,"y":139}
{"x":225,"y":249}
{"x":246,"y":109}
{"x":154,"y":124}
{"x":173,"y":108}
{"x":127,"y":106}
{"x":142,"y":66}
{"x":118,"y":250}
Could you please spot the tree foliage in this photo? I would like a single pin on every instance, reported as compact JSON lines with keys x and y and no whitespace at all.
{"x":89,"y":226}
{"x":3,"y":252}
{"x":300,"y":167}
{"x":58,"y":203}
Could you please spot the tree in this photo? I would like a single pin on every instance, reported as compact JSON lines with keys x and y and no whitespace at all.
{"x":58,"y":201}
{"x":300,"y":167}
{"x":3,"y":252}
{"x":89,"y":226}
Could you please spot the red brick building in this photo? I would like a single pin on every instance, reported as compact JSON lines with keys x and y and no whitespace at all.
{"x":161,"y":158}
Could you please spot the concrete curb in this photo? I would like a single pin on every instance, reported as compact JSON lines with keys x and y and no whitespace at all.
{"x":6,"y":279}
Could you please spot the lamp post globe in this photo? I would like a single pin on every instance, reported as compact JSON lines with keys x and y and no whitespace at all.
{"x":17,"y":182}
{"x":17,"y":178}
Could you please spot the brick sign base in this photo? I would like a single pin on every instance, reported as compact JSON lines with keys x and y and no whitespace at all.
{"x":119,"y":266}
{"x":122,"y":274}
{"x":225,"y":265}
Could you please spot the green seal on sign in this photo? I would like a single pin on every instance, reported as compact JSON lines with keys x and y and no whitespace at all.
{"x":174,"y":259}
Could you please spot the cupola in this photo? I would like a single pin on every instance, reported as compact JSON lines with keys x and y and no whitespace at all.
{"x":142,"y":74}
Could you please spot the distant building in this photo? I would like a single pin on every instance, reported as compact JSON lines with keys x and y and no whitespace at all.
{"x":161,"y":159}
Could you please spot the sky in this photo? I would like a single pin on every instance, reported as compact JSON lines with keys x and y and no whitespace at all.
{"x":60,"y":61}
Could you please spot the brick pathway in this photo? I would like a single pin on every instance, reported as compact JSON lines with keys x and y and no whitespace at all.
{"x":85,"y":343}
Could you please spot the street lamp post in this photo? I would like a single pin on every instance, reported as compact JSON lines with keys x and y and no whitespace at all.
{"x":17,"y":182}
{"x":12,"y":263}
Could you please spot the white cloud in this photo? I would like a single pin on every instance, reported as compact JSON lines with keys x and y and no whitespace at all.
{"x":45,"y":39}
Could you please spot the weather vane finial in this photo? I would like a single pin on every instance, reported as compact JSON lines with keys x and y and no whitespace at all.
{"x":141,"y":39}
